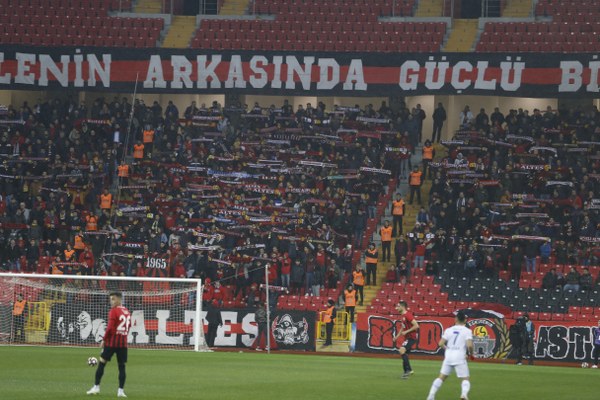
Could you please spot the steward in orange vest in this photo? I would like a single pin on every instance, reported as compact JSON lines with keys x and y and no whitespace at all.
{"x":19,"y":312}
{"x":19,"y":306}
{"x":123,"y":170}
{"x":123,"y":173}
{"x":148,"y":140}
{"x":398,"y":209}
{"x":79,"y":245}
{"x":138,"y":151}
{"x":350,"y":301}
{"x":91,"y":223}
{"x":329,"y":320}
{"x":148,"y":136}
{"x":386,"y":241}
{"x":371,"y":257}
{"x":428,"y":155}
{"x":106,"y":200}
{"x":358,"y":279}
{"x":386,"y":232}
{"x":415,"y":181}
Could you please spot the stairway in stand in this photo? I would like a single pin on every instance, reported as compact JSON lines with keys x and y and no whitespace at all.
{"x":180,"y":32}
{"x":518,"y":9}
{"x":462,"y":36}
{"x":371,"y":291}
{"x":234,"y":7}
{"x":430,"y":8}
{"x":407,"y":226}
{"x":149,"y":7}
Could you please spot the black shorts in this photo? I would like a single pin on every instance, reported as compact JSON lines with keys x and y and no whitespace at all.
{"x":121,"y":353}
{"x":408,"y":344}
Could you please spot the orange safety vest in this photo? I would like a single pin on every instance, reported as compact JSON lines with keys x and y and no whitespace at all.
{"x":370,"y":258}
{"x":415,"y":178}
{"x":69,"y":254}
{"x":428,"y":153}
{"x":79,"y":245}
{"x":105,"y":201}
{"x":19,"y":307}
{"x":358,"y":278}
{"x":91,"y":223}
{"x":138,"y":151}
{"x":398,"y":207}
{"x":148,"y":136}
{"x":350,"y":297}
{"x":386,"y":234}
{"x":327,"y":317}
{"x":123,"y":170}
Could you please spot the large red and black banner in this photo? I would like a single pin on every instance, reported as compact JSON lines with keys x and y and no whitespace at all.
{"x":561,"y":341}
{"x":172,"y":325}
{"x":353,"y":74}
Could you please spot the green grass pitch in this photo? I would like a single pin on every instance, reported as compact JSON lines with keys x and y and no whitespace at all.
{"x":62,"y":373}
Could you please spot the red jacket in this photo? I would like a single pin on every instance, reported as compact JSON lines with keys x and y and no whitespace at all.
{"x":419,"y":250}
{"x":286,"y":266}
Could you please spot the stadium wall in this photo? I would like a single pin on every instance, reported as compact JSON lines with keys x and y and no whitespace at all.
{"x":568,"y":341}
{"x":290,"y":329}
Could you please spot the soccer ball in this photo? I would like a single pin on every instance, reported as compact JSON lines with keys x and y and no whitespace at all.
{"x":584,"y":365}
{"x":92,"y":361}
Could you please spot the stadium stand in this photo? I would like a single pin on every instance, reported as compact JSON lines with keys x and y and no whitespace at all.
{"x":64,"y":197}
{"x":439,"y":296}
{"x":498,"y":241}
{"x":469,"y":245}
{"x":74,"y":23}
{"x":569,"y":31}
{"x":318,"y":26}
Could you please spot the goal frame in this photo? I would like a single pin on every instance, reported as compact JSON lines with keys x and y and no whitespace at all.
{"x":198,"y":325}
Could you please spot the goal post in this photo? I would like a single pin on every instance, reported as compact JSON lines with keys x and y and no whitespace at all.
{"x":72,"y":310}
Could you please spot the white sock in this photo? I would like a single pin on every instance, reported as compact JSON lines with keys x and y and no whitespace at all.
{"x":435,"y":386}
{"x":466,"y":386}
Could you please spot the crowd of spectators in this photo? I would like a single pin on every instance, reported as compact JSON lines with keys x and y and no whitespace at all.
{"x":221,"y":192}
{"x":212,"y":192}
{"x":515,"y":191}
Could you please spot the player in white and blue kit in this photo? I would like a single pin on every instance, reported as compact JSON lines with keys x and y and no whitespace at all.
{"x":457,"y":342}
{"x":596,"y":352}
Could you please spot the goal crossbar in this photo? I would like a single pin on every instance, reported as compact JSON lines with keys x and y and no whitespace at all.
{"x":102,"y":278}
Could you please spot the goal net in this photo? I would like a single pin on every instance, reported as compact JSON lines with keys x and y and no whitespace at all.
{"x":73,"y":310}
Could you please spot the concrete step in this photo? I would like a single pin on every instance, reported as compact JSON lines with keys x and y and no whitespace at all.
{"x":234,"y":7}
{"x":518,"y":8}
{"x":462,"y":36}
{"x":180,"y":32}
{"x":338,"y":346}
{"x":149,"y":7}
{"x":430,"y":8}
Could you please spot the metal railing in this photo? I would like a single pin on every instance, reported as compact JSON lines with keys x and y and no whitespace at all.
{"x":38,"y":317}
{"x":491,"y":8}
{"x":342,"y":328}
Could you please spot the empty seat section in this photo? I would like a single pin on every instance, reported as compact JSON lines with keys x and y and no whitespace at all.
{"x":312,"y":25}
{"x":74,"y":23}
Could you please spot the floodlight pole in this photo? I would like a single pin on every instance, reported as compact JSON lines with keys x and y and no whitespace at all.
{"x":268,"y":309}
